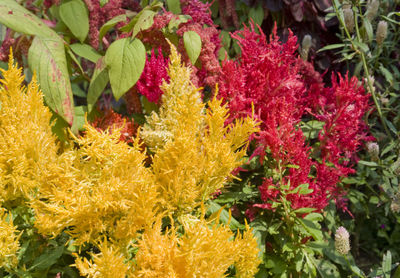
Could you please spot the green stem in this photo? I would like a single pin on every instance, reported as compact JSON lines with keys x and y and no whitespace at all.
{"x":349,"y":265}
{"x":365,"y":66}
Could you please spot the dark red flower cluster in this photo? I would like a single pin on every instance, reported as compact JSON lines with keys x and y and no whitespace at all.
{"x":111,"y":120}
{"x":271,"y":80}
{"x":202,"y":24}
{"x":155,"y":71}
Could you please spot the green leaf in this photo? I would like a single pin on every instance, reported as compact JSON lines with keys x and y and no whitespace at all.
{"x":224,"y":216}
{"x":304,"y":210}
{"x":154,"y":7}
{"x":368,"y":28}
{"x":79,"y":119}
{"x":23,"y":21}
{"x":110,"y":24}
{"x":98,"y":83}
{"x":144,"y":22}
{"x":257,"y":14}
{"x":47,"y":259}
{"x":192,"y":42}
{"x":75,"y":15}
{"x":363,"y":47}
{"x":174,"y":6}
{"x":312,"y":228}
{"x":388,"y":75}
{"x":387,"y":264}
{"x":85,"y":51}
{"x":176,"y":21}
{"x":368,"y":163}
{"x":47,"y":58}
{"x":125,"y":59}
{"x":331,"y":46}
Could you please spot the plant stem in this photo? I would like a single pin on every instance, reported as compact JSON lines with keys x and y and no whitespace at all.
{"x":365,"y":66}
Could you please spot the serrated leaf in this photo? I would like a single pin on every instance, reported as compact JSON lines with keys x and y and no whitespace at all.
{"x":110,"y":24}
{"x":192,"y":42}
{"x":97,"y":83}
{"x":75,"y":15}
{"x":85,"y":51}
{"x":23,"y":21}
{"x":174,"y":6}
{"x":47,"y":58}
{"x":125,"y":59}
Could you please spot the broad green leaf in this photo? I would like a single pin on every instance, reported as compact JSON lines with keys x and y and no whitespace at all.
{"x":23,"y":21}
{"x":174,"y":6}
{"x":387,"y":264}
{"x":47,"y":259}
{"x":176,"y":21}
{"x":75,"y":15}
{"x":85,"y":51}
{"x":192,"y":42}
{"x":47,"y":58}
{"x":257,"y":14}
{"x":125,"y":59}
{"x":110,"y":24}
{"x":144,"y":22}
{"x":98,"y":83}
{"x":368,"y":163}
{"x":103,"y":2}
{"x":73,"y":57}
{"x":155,"y":6}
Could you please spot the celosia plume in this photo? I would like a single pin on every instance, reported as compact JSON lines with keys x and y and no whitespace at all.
{"x":9,"y":245}
{"x":27,"y":144}
{"x":195,"y":152}
{"x":283,"y":88}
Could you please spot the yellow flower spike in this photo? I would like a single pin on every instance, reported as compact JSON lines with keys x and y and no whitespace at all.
{"x":195,"y":152}
{"x":28,"y":149}
{"x":109,"y":263}
{"x":9,"y":244}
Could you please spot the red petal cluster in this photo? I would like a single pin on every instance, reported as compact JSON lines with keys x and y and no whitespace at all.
{"x":271,"y":80}
{"x":111,"y":121}
{"x":155,"y":71}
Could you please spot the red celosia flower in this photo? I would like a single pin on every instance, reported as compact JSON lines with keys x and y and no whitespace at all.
{"x":199,"y":11}
{"x":155,"y":71}
{"x":111,"y":120}
{"x":272,"y":79}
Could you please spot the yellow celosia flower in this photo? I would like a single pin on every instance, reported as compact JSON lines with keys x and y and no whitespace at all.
{"x":195,"y":152}
{"x":109,"y":263}
{"x":9,"y":244}
{"x":247,"y":259}
{"x":204,"y":250}
{"x":101,"y":188}
{"x":27,"y":145}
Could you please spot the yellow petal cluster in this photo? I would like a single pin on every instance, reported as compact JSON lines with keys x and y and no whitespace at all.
{"x":109,"y":263}
{"x":100,"y":188}
{"x":27,"y":144}
{"x":204,"y":250}
{"x":195,"y":152}
{"x":9,"y":244}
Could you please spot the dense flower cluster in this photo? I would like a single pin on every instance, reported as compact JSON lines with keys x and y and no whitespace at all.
{"x":100,"y":191}
{"x":202,"y":24}
{"x":285,"y":90}
{"x":114,"y":121}
{"x":155,"y":71}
